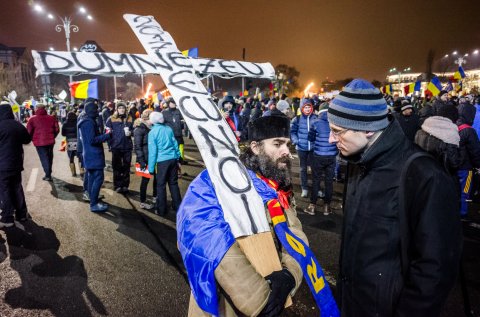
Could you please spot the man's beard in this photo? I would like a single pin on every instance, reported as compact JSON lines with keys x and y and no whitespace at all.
{"x":271,"y":170}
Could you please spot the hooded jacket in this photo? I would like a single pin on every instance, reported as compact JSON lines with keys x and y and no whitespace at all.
{"x":43,"y":128}
{"x":91,"y":139}
{"x":162,"y":146}
{"x":300,"y":128}
{"x":173,"y":118}
{"x":371,"y":280}
{"x":12,"y":137}
{"x":321,"y":129}
{"x":117,"y":123}
{"x":469,"y":143}
{"x":140,"y":141}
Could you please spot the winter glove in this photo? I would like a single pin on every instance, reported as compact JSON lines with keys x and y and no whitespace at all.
{"x":281,"y":283}
{"x":312,"y":135}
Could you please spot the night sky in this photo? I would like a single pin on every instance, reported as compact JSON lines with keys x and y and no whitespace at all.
{"x":323,"y":38}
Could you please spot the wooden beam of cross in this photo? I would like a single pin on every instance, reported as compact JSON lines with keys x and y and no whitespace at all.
{"x":119,"y":64}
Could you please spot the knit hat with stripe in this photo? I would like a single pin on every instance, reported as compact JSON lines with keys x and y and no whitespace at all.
{"x":360,"y":106}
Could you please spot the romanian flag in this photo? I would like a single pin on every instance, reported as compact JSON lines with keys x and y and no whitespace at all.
{"x":459,"y":74}
{"x":84,"y":89}
{"x":193,"y":52}
{"x":388,"y":89}
{"x":459,"y":86}
{"x":434,"y":86}
{"x":409,"y":89}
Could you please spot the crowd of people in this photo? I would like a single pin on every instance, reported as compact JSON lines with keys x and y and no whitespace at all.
{"x":410,"y":166}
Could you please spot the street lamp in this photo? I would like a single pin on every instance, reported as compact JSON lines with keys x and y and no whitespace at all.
{"x":66,"y":25}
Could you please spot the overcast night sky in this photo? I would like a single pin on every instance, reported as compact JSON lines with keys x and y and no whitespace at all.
{"x":323,"y":38}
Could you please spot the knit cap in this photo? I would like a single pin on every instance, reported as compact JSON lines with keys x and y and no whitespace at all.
{"x":359,"y":106}
{"x":442,"y":128}
{"x":283,"y":105}
{"x":156,"y":117}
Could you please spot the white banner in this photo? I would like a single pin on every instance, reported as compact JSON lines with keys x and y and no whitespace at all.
{"x":242,"y":206}
{"x":119,"y":64}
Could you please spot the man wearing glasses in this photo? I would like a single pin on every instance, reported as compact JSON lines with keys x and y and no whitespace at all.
{"x":401,"y":237}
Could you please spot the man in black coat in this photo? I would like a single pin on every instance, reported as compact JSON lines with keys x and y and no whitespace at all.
{"x":408,"y":119}
{"x":401,"y":237}
{"x":12,"y":137}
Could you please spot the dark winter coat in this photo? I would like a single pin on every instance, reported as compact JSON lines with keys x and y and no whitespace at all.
{"x":140,"y":140}
{"x":321,"y":132}
{"x":257,"y":111}
{"x":469,"y":142}
{"x":91,"y":140}
{"x":43,"y":128}
{"x":409,"y":124}
{"x":12,"y":137}
{"x":173,"y":119}
{"x":299,"y":131}
{"x":69,"y":129}
{"x":445,"y":109}
{"x":119,"y":140}
{"x":106,"y":113}
{"x":372,"y":281}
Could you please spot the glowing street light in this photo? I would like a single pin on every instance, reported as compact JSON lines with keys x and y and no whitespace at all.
{"x":454,"y":53}
{"x":75,"y":49}
{"x":50,"y":16}
{"x":51,"y":48}
{"x":82,"y":10}
{"x":475,"y":52}
{"x":38,"y":8}
{"x":446,"y":55}
{"x":89,"y":17}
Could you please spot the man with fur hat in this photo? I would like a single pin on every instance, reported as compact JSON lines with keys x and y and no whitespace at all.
{"x":207,"y":243}
{"x":121,"y":126}
{"x":401,"y":238}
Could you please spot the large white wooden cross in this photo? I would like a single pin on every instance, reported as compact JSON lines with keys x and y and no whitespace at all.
{"x":242,"y":206}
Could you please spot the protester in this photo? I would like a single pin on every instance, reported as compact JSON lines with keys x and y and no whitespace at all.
{"x":323,"y":164}
{"x":93,"y":158}
{"x":107,"y":112}
{"x":121,"y":126}
{"x":469,"y":153}
{"x":163,"y":157}
{"x":227,"y":104}
{"x":43,"y":129}
{"x":140,"y":136}
{"x":257,"y":110}
{"x":207,"y":244}
{"x":272,"y":109}
{"x":173,"y":118}
{"x":69,"y":130}
{"x":12,"y":137}
{"x":401,"y":241}
{"x":408,"y":119}
{"x":427,"y":110}
{"x":299,"y":134}
{"x":443,"y":107}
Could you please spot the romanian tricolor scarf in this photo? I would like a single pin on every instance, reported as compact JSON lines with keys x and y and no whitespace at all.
{"x":312,"y":271}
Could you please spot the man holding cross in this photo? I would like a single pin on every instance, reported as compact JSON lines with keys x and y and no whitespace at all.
{"x":268,"y":160}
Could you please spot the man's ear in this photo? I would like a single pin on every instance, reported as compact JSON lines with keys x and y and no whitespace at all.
{"x":254,"y":146}
{"x":370,"y":134}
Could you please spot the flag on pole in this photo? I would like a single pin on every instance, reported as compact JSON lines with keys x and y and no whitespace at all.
{"x":157,"y":97}
{"x":409,"y":89}
{"x":193,"y":52}
{"x":84,"y":89}
{"x":434,"y":86}
{"x":388,"y":89}
{"x":459,"y":74}
{"x":448,"y":87}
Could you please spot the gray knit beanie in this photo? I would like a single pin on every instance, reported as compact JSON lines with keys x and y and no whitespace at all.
{"x":360,"y":106}
{"x":442,"y":128}
{"x":156,"y":117}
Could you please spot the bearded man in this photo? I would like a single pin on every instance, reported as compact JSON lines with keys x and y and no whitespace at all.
{"x":207,"y":244}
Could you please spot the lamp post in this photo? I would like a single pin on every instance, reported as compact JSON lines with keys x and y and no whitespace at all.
{"x":66,"y":26}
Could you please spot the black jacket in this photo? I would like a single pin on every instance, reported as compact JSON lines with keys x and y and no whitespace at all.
{"x":445,"y":109}
{"x":69,"y":129}
{"x":173,"y":118}
{"x":410,"y":124}
{"x":12,"y":137}
{"x":140,"y":141}
{"x":371,"y":281}
{"x":469,"y":142}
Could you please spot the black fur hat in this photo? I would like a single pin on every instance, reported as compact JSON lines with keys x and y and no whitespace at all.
{"x":269,"y":127}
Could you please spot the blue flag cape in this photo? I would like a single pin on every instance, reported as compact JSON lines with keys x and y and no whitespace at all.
{"x":204,"y":237}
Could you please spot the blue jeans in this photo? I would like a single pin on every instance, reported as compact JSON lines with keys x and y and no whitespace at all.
{"x":95,"y":181}
{"x":46,"y":158}
{"x":305,"y":160}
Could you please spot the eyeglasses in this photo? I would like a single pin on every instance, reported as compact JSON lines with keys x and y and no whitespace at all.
{"x":338,"y":133}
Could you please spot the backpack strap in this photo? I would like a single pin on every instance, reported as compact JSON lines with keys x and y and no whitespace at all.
{"x":404,"y":214}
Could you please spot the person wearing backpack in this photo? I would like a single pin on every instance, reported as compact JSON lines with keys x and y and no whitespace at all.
{"x":401,"y":237}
